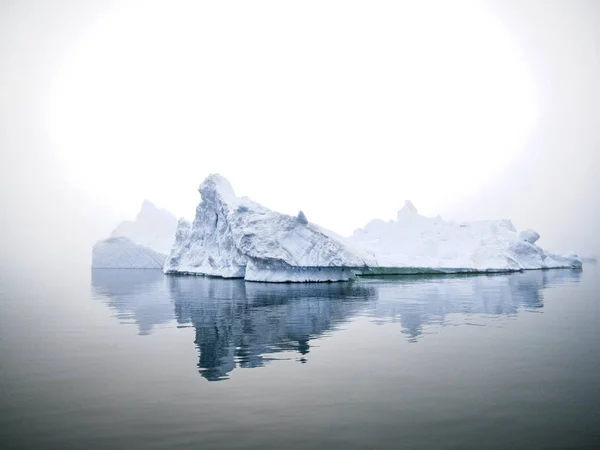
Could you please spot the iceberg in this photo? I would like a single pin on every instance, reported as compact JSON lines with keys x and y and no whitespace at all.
{"x":153,"y":228}
{"x":414,"y":243}
{"x":140,"y":244}
{"x":235,"y":237}
{"x":122,"y":253}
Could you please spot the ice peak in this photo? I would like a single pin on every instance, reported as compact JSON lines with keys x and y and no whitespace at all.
{"x":301,"y":218}
{"x":407,"y":210}
{"x":216,"y":185}
{"x":148,"y":210}
{"x":148,"y":204}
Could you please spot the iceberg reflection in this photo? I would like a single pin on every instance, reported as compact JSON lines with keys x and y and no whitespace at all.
{"x":237,"y":323}
{"x":241,"y":324}
{"x":416,"y":301}
{"x":136,"y":295}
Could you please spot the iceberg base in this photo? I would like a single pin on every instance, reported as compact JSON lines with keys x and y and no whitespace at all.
{"x":279,"y":273}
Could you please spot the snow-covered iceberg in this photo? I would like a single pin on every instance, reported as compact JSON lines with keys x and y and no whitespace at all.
{"x":153,"y":228}
{"x":140,"y":244}
{"x":415,"y":243}
{"x":235,"y":237}
{"x":122,"y":253}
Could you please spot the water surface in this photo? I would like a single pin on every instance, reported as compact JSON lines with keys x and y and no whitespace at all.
{"x":136,"y":359}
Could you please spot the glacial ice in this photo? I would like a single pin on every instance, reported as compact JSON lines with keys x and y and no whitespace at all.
{"x":122,"y":253}
{"x":153,"y":228}
{"x":234,"y":237}
{"x":417,"y":242}
{"x":139,"y":244}
{"x":529,"y":235}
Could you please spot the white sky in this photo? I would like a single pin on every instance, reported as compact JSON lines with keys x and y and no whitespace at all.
{"x":341,"y":109}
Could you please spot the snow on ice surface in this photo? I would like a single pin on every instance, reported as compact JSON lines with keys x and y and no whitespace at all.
{"x":235,"y":237}
{"x":530,"y":236}
{"x":416,"y":241}
{"x":122,"y":253}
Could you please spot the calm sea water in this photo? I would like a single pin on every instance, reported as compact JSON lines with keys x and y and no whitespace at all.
{"x":135,"y":359}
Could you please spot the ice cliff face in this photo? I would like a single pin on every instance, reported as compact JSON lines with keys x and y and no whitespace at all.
{"x":415,"y":241}
{"x":139,"y":244}
{"x":235,"y":237}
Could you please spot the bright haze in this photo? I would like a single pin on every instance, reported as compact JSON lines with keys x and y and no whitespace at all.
{"x":472,"y":110}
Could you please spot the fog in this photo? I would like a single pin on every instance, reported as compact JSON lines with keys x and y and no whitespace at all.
{"x":326,"y":119}
{"x":553,"y":186}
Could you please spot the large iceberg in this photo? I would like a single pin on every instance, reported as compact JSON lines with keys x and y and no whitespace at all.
{"x":140,"y":244}
{"x":235,"y":237}
{"x":415,"y":243}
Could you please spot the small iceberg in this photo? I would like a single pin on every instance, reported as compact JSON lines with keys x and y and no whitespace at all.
{"x":140,"y":244}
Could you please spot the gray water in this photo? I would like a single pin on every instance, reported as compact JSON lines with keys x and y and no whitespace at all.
{"x":136,"y":359}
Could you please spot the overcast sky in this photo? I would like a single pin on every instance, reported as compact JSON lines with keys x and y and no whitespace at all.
{"x":342,"y":109}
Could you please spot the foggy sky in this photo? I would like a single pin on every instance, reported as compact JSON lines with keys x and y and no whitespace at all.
{"x":552,"y":186}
